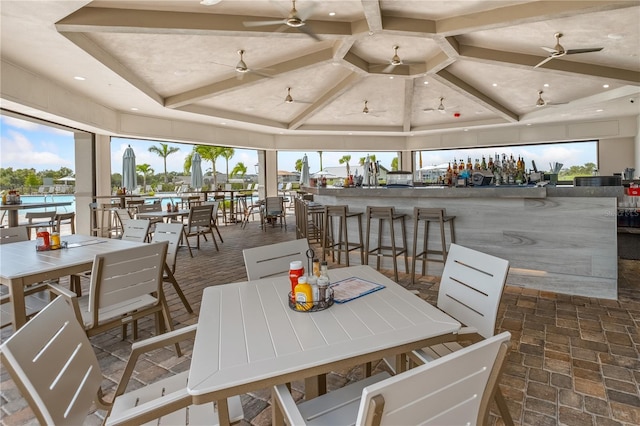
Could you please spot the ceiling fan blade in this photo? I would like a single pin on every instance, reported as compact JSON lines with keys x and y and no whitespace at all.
{"x":262,"y":23}
{"x":545,"y":61}
{"x":260,"y":73}
{"x":310,"y":33}
{"x":549,"y":49}
{"x":388,"y":68}
{"x":588,"y":50}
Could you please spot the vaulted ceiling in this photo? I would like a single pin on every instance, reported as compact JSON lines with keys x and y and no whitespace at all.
{"x":462,"y":63}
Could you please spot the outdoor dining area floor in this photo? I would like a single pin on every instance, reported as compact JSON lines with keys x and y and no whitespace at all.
{"x":573,"y":360}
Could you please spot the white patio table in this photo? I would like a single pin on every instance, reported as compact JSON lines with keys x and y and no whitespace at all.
{"x":22,"y":265}
{"x":249,"y":338}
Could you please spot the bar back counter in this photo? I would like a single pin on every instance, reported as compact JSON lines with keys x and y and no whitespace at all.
{"x":560,"y":239}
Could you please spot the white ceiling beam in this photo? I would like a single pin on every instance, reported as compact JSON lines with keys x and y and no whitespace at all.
{"x":230,"y":115}
{"x":408,"y":26}
{"x":524,"y":13}
{"x":194,"y":95}
{"x":372,"y":14}
{"x":473,"y":94}
{"x":329,"y":96}
{"x":108,"y":20}
{"x":558,"y":66}
{"x":104,"y":57}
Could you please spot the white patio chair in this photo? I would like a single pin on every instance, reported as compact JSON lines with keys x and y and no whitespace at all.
{"x":54,"y":366}
{"x":273,"y":259}
{"x":39,"y":220}
{"x":125,"y":286}
{"x":200,"y":222}
{"x":453,"y":390}
{"x":470,"y":291}
{"x":122,"y":217}
{"x":64,"y":218}
{"x":172,"y":234}
{"x":136,"y":230}
{"x":273,"y":212}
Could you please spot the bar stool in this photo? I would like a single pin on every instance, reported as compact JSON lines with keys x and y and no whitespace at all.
{"x":428,"y":215}
{"x":222,"y":206}
{"x":340,"y":244}
{"x":389,"y":215}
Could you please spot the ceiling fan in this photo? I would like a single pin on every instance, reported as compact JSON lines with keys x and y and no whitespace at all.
{"x":289,"y":99}
{"x":558,"y":51}
{"x":440,"y":108}
{"x":242,"y":68}
{"x":395,"y":61}
{"x":367,"y":111}
{"x":294,"y":20}
{"x":541,"y":102}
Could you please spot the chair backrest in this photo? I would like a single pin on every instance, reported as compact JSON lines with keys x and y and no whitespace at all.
{"x":171,"y":233}
{"x":200,"y":216}
{"x":122,"y":277}
{"x":153,"y":207}
{"x":123,"y":216}
{"x":274,"y":206}
{"x":13,"y":234}
{"x":53,"y":364}
{"x":453,"y":390}
{"x":30,"y":216}
{"x":136,"y":230}
{"x":60,"y":217}
{"x":273,"y":259}
{"x":471,"y":287}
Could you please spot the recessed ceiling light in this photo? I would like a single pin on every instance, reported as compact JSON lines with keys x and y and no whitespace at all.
{"x":546,"y":85}
{"x":390,"y":77}
{"x":528,"y":124}
{"x":426,"y":82}
{"x":466,"y":130}
{"x":77,"y":77}
{"x":134,"y":109}
{"x":223,"y":123}
{"x":599,"y":110}
{"x":495,"y":84}
{"x":606,"y":86}
{"x":350,"y":133}
{"x":615,"y":36}
{"x":209,"y":2}
{"x":332,"y":14}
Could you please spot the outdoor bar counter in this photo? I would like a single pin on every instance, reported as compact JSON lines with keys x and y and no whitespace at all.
{"x":560,"y":239}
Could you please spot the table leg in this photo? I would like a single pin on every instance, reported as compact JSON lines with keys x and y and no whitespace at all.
{"x":223,"y":412}
{"x":16,"y":293}
{"x":315,"y":386}
{"x":13,"y":218}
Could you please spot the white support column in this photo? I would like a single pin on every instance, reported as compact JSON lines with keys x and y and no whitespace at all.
{"x":84,"y":180}
{"x":404,"y":161}
{"x":271,"y":173}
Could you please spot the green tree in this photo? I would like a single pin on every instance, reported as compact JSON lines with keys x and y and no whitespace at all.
{"x":145,"y":170}
{"x":394,"y":164}
{"x":345,"y":160}
{"x":239,"y":170}
{"x":164,"y":150}
{"x":372,"y":158}
{"x":32,"y":180}
{"x":227,"y":154}
{"x":320,"y":154}
{"x":298,"y":165}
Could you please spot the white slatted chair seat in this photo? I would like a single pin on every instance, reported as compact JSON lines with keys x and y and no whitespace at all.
{"x":114,"y":311}
{"x":56,"y":369}
{"x":273,"y":259}
{"x":136,"y":230}
{"x":455,"y":389}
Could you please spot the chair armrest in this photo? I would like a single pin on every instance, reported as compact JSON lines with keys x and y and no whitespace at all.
{"x":285,"y":403}
{"x":469,"y":334}
{"x":147,"y":345}
{"x":71,"y":297}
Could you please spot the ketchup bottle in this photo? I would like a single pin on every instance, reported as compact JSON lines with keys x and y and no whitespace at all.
{"x":296,"y":270}
{"x":43,"y":242}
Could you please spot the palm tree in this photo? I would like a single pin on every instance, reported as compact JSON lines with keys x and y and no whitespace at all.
{"x":227,"y":153}
{"x":320,"y":154}
{"x":345,"y":160}
{"x":145,"y":170}
{"x":372,"y":158}
{"x":164,"y":151}
{"x":299,"y":165}
{"x":239,"y":170}
{"x":394,"y":164}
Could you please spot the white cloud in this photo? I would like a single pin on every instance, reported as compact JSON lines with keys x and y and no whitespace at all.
{"x":19,"y":152}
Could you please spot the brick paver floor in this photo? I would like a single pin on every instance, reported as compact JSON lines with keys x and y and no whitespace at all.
{"x":574,"y":360}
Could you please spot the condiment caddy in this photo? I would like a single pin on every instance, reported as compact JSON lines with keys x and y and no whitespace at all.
{"x":309,"y":293}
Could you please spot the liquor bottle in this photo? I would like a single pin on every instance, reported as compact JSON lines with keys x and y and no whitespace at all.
{"x":469,"y":164}
{"x":483,"y":165}
{"x":476,"y":165}
{"x":461,"y":166}
{"x":490,"y":166}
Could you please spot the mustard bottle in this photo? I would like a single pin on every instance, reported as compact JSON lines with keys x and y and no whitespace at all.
{"x":304,"y":295}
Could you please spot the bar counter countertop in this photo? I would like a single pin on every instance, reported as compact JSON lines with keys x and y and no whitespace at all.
{"x":556,"y":238}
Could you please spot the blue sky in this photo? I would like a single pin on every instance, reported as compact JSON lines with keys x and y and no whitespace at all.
{"x":25,"y":145}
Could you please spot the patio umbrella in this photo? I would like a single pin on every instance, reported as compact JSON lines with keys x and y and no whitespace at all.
{"x":129,"y":180}
{"x":304,"y":175}
{"x":196,"y":171}
{"x":67,"y":179}
{"x":366,"y":174}
{"x":323,"y":173}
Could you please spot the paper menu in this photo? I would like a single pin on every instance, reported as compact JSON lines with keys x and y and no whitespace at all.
{"x":352,"y":288}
